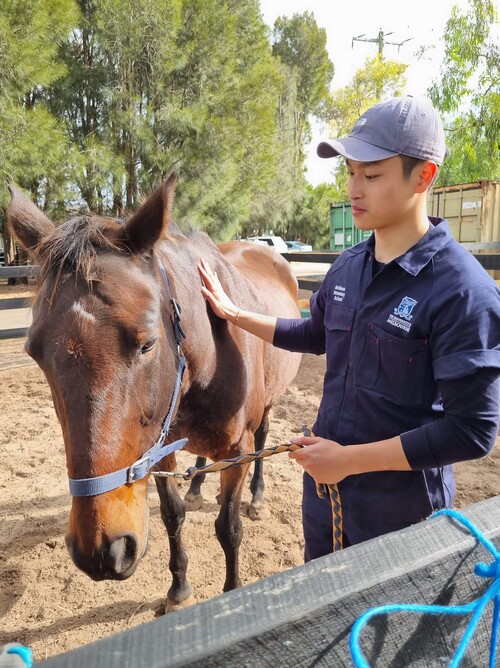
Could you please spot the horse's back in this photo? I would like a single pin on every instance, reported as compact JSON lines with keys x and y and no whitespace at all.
{"x":268,"y":272}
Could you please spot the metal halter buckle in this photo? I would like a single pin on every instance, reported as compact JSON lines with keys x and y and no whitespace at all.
{"x":135,"y":465}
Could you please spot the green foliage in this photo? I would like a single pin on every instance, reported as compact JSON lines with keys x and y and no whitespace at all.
{"x":33,"y":145}
{"x":309,"y":222}
{"x":185,"y":84}
{"x":468,"y":95}
{"x":301,"y":45}
{"x":100,"y":99}
{"x":231,"y":154}
{"x":378,"y":80}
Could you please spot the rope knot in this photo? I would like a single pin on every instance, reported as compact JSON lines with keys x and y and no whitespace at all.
{"x":488,"y":570}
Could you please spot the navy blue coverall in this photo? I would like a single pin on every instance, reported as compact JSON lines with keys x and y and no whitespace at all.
{"x":411,"y":350}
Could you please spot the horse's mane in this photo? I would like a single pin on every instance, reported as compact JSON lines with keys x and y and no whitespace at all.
{"x":74,"y":246}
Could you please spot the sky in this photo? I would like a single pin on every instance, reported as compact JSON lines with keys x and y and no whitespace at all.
{"x":423,"y":21}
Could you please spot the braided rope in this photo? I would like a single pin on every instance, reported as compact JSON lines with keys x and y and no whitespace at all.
{"x":322,"y":489}
{"x":223,"y":464}
{"x":332,"y":490}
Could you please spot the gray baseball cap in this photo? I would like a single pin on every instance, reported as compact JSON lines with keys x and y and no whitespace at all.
{"x":401,"y":126}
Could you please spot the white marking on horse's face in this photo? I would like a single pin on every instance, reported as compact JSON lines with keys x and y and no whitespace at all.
{"x":80,"y":311}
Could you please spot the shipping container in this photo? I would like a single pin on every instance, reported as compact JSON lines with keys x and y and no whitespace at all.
{"x":472,"y":209}
{"x":343,"y":232}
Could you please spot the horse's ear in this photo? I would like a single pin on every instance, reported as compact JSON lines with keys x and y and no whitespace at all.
{"x":150,"y":222}
{"x":25,"y":220}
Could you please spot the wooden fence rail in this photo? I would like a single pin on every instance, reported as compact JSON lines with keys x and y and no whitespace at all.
{"x":22,"y":271}
{"x":304,"y":616}
{"x":490,"y":261}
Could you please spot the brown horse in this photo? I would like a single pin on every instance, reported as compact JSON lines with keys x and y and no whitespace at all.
{"x":107,"y":334}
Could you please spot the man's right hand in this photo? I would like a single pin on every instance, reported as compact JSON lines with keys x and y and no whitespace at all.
{"x":214,"y":293}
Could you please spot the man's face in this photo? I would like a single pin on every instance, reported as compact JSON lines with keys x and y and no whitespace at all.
{"x":380,"y":195}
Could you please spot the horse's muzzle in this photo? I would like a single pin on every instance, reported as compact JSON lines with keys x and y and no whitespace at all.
{"x":117,"y":560}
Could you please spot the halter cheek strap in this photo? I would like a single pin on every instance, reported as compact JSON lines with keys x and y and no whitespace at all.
{"x":140,"y":468}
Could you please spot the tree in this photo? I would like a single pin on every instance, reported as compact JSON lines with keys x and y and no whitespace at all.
{"x":32,"y":141}
{"x":301,"y":47}
{"x":378,"y":80}
{"x":468,"y":95}
{"x":158,"y":84}
{"x":100,"y":99}
{"x":230,"y":154}
{"x":33,"y":145}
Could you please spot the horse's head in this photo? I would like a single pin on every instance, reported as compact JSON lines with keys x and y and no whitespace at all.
{"x":103,"y":337}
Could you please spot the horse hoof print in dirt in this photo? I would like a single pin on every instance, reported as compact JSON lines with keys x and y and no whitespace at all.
{"x":137,"y":363}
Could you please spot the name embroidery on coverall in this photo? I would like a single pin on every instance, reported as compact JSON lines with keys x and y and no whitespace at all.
{"x":339,"y":293}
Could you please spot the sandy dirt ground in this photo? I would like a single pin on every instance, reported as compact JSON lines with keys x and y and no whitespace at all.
{"x":50,"y":606}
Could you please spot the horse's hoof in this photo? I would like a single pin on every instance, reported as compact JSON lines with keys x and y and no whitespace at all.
{"x":193,"y":502}
{"x":171,"y":606}
{"x":258,"y":511}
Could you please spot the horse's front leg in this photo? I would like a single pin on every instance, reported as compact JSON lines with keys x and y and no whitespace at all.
{"x":228,"y":526}
{"x":173,"y":513}
{"x":257,"y":510}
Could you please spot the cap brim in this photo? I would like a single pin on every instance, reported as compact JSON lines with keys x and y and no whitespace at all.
{"x":353,"y":149}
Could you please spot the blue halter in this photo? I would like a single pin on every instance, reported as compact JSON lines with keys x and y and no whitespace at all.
{"x":140,"y":468}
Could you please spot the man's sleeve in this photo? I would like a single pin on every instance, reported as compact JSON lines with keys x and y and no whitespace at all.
{"x":466,"y":335}
{"x":306,"y":335}
{"x":469,"y":425}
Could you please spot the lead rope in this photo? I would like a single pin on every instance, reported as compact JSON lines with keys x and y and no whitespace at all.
{"x":332,"y":490}
{"x":476,"y":607}
{"x":223,"y":464}
{"x":322,"y":489}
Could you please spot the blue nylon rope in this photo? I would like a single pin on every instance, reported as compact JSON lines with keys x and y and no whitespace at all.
{"x":476,"y":607}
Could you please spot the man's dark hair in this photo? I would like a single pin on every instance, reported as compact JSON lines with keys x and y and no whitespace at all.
{"x":409,"y":165}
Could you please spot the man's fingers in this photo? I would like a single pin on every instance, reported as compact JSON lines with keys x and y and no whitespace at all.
{"x":305,"y":440}
{"x":208,"y":277}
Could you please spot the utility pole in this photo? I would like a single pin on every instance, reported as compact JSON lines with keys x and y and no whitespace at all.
{"x":380,"y":40}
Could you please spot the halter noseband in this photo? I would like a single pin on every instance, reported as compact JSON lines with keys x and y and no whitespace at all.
{"x":140,"y":468}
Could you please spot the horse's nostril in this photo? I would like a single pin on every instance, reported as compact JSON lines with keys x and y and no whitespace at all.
{"x":122,"y":554}
{"x":117,"y":560}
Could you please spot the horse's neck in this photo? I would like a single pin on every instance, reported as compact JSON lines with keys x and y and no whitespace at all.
{"x":183,"y":285}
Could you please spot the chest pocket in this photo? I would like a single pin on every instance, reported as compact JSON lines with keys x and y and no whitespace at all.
{"x":338,"y":328}
{"x":397,"y":368}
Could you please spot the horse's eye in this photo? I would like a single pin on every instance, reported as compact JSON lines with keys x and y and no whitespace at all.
{"x":147,"y":346}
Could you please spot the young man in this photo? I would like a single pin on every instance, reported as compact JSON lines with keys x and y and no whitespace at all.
{"x":410,"y":324}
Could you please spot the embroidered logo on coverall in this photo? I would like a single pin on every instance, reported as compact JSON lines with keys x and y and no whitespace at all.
{"x":402,"y":314}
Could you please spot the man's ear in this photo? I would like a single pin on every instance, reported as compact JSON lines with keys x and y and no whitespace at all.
{"x":426,"y":175}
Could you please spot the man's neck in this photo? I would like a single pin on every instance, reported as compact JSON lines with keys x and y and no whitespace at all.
{"x":390,"y":244}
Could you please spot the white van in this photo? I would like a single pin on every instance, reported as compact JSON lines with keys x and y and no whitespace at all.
{"x":275,"y":242}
